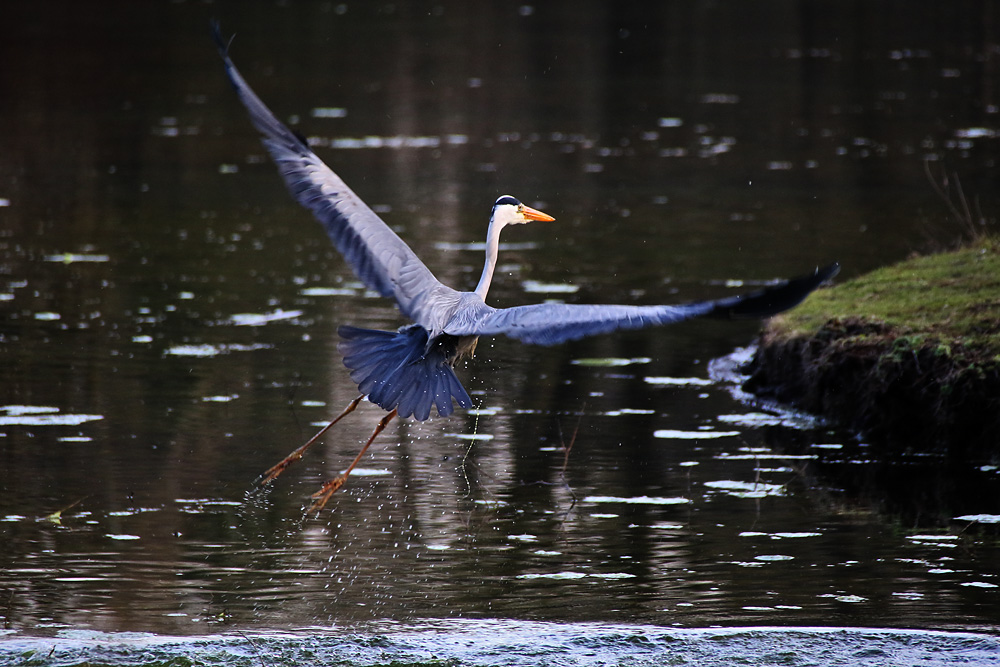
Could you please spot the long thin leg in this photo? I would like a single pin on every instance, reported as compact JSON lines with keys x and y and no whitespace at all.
{"x":276,"y":470}
{"x":334,"y":484}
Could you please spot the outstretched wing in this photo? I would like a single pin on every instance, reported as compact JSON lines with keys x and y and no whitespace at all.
{"x":552,"y":323}
{"x":378,"y":256}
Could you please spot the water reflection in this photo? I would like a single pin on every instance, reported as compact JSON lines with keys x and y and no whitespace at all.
{"x":169,"y":314}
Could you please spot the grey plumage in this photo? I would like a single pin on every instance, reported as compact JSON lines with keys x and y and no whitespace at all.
{"x":411,"y":370}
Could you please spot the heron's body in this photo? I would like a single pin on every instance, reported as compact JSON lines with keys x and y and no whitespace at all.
{"x":409,"y":371}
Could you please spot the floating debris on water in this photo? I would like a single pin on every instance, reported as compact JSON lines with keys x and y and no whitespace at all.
{"x":671,"y":434}
{"x":370,"y":472}
{"x":220,"y":399}
{"x":201,"y":505}
{"x":32,"y":415}
{"x":329,"y":112}
{"x":746,"y":489}
{"x":327,"y":291}
{"x":752,"y":419}
{"x":206,"y":350}
{"x":979,"y":518}
{"x":71,"y":258}
{"x":720,"y":98}
{"x":936,"y":540}
{"x":637,"y":500}
{"x":356,"y":143}
{"x":610,"y":361}
{"x":763,"y":456}
{"x":672,"y":381}
{"x":484,"y":412}
{"x":975,"y":133}
{"x":628,"y":411}
{"x":536,"y":286}
{"x":260,"y":319}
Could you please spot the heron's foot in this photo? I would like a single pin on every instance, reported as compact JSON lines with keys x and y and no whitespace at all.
{"x":327,"y":490}
{"x":275,"y":470}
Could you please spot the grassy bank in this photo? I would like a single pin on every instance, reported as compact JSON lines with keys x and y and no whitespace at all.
{"x":908,"y":355}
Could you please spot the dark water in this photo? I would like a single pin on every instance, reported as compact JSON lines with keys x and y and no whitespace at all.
{"x":169,"y":315}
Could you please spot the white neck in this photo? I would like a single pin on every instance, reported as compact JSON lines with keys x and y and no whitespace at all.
{"x":492,"y":249}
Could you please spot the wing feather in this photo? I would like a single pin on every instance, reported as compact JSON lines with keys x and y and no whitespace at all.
{"x":382,"y":260}
{"x":553,"y":323}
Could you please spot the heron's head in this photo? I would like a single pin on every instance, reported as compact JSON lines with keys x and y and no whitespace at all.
{"x":509,"y":211}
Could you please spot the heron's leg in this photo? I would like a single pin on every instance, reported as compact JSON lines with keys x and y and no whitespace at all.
{"x":276,"y":470}
{"x":334,"y":484}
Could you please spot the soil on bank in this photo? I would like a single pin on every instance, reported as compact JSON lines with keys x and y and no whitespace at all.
{"x":908,"y":355}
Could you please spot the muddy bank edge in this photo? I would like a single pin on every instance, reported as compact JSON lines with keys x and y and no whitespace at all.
{"x":908,"y":355}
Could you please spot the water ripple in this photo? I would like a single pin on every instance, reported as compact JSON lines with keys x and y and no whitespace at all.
{"x":512,"y":644}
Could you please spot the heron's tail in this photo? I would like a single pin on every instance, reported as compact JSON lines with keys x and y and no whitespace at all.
{"x":396,"y":370}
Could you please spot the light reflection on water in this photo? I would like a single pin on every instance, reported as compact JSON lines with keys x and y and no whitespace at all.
{"x":169,"y":331}
{"x":515,"y":643}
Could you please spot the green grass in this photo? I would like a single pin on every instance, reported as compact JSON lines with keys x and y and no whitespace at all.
{"x":951,"y":298}
{"x":908,"y":355}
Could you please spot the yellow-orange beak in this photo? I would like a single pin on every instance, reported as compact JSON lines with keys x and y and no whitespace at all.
{"x":535,"y":214}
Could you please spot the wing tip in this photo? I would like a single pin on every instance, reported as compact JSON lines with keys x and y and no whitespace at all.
{"x":828,"y":272}
{"x":215,"y":27}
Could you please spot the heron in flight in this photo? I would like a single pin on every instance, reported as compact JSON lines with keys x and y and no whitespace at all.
{"x":410,"y":371}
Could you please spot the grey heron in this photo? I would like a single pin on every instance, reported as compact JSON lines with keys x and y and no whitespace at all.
{"x":410,"y":371}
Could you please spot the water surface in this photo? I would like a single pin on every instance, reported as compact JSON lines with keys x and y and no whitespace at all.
{"x":169,"y":315}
